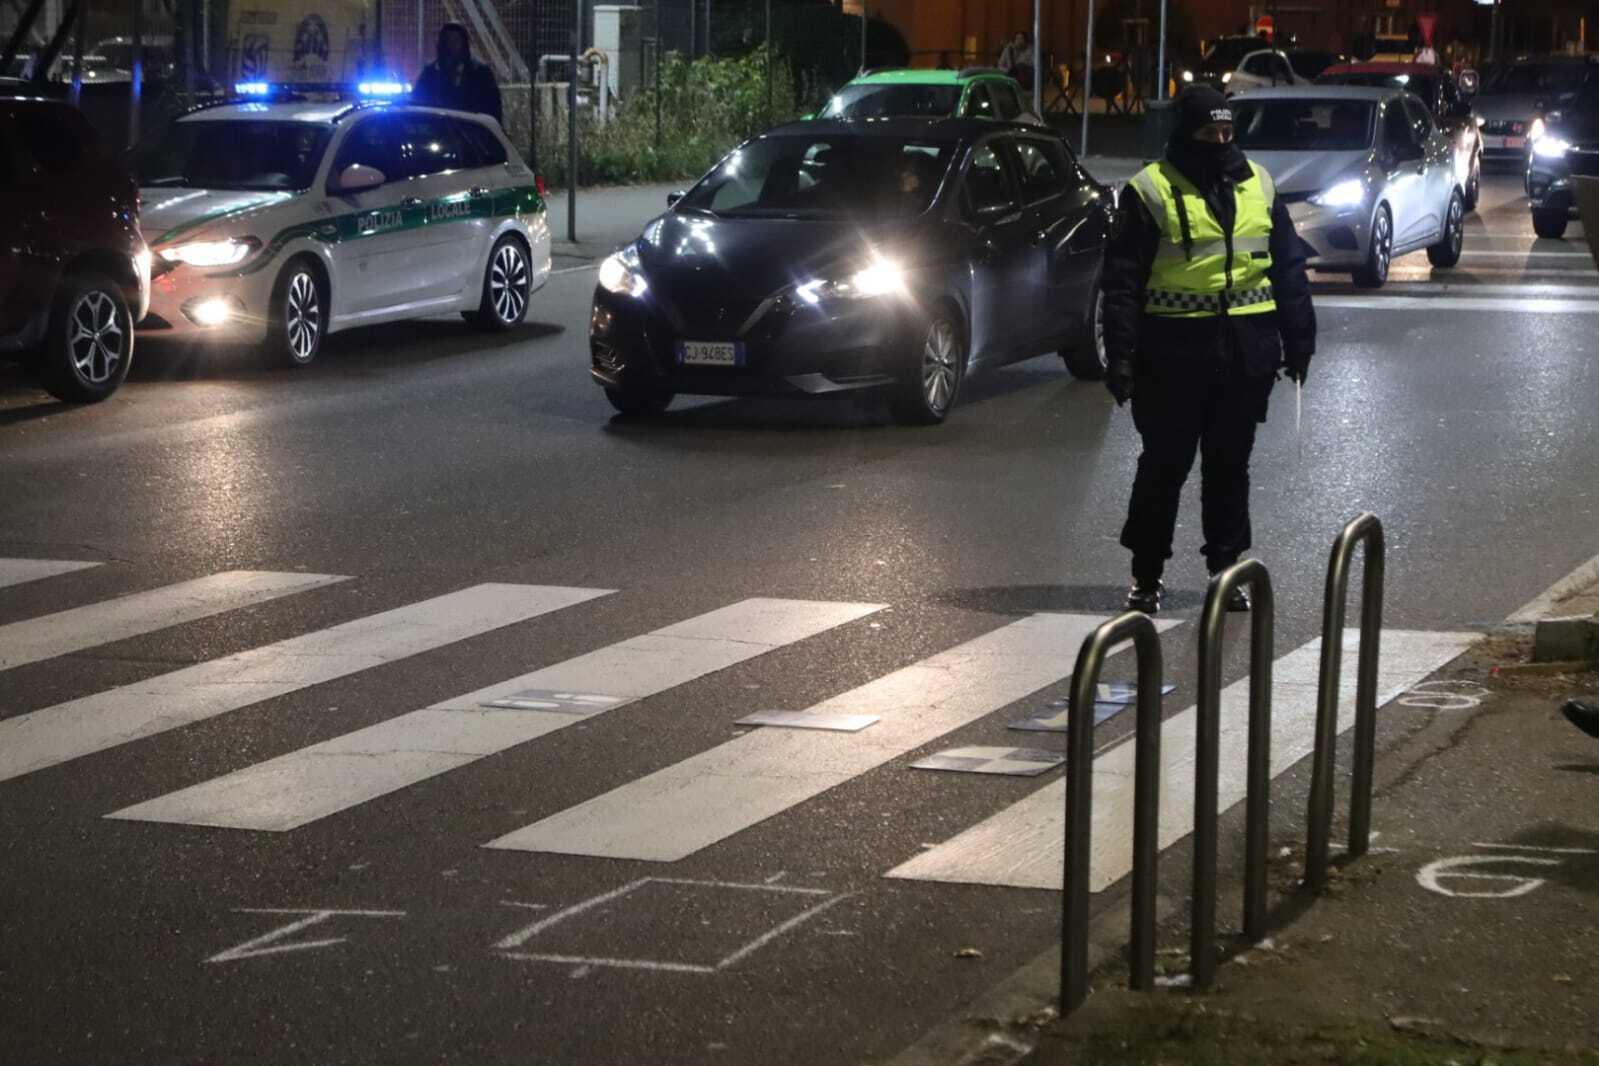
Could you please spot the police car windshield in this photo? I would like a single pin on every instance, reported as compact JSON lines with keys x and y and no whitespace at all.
{"x":883,"y":101}
{"x":1293,"y":125}
{"x":233,"y":154}
{"x":823,"y":177}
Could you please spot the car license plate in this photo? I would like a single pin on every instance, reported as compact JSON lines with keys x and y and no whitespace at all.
{"x":1515,"y":142}
{"x":710,"y":353}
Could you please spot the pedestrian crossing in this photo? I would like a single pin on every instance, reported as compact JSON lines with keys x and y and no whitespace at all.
{"x":668,"y":813}
{"x":19,"y":571}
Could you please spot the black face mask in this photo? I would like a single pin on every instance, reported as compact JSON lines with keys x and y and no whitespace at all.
{"x":1204,"y":163}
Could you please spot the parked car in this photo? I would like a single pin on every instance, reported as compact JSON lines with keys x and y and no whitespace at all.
{"x":823,"y":256}
{"x":1441,"y":92}
{"x":1515,"y":95}
{"x":1568,"y":147}
{"x":976,"y":92}
{"x":1366,"y":174}
{"x":76,"y":273}
{"x":1238,"y":64}
{"x":1309,"y":63}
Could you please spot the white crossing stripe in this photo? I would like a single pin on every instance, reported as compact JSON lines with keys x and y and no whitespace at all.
{"x":1023,"y":845}
{"x":682,"y":808}
{"x":81,"y":727}
{"x":145,"y":612}
{"x":1461,"y":303}
{"x":17,"y":571}
{"x":323,"y":779}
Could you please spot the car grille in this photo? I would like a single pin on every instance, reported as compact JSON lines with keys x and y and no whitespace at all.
{"x":706,"y":316}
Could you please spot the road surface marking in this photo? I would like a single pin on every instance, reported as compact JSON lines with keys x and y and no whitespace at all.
{"x":81,"y":727}
{"x":1022,"y":846}
{"x":145,"y":612}
{"x":18,"y":571}
{"x":267,"y":943}
{"x":708,"y":797}
{"x":1460,"y":303}
{"x":323,"y":779}
{"x":1467,"y":253}
{"x":1544,"y":602}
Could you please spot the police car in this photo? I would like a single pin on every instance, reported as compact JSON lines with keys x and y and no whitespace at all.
{"x":276,"y":219}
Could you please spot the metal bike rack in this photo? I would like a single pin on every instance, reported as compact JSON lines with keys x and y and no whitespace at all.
{"x":1080,"y":801}
{"x":1368,"y":529}
{"x":1202,"y":944}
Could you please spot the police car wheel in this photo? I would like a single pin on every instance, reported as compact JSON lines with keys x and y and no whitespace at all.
{"x":299,"y":316}
{"x":89,"y":345}
{"x":1446,"y":253}
{"x":1549,"y":224}
{"x":1087,"y":358}
{"x":1375,"y":271}
{"x":926,"y":395}
{"x":506,"y":285}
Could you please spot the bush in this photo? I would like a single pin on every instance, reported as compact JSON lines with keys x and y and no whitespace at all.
{"x":708,"y":105}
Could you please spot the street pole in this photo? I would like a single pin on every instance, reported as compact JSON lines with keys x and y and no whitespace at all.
{"x":863,"y":35}
{"x":707,"y":27}
{"x":421,"y":44}
{"x":1038,"y":58}
{"x":136,"y":84}
{"x":571,"y":125}
{"x":768,"y":62}
{"x":77,"y":53}
{"x":1088,"y":77}
{"x":377,"y":30}
{"x":1160,"y":61}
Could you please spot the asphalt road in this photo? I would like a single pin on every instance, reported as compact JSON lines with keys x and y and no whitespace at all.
{"x":734,"y":907}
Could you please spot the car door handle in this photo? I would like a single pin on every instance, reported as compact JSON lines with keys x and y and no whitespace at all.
{"x":411,"y":201}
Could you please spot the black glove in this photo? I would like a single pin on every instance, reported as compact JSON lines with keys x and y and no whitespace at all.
{"x":1298,"y":366}
{"x":1119,"y":378}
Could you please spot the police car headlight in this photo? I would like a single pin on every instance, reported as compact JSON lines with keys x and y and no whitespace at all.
{"x":620,"y":274}
{"x":211,"y":253}
{"x":1551,"y":147}
{"x":1345,"y":194}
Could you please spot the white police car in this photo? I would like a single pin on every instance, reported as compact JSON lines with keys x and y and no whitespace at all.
{"x":278,"y":221}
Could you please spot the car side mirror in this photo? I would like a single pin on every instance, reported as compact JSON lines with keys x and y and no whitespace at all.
{"x":358,"y":177}
{"x":673,"y":197}
{"x":1469,"y":81}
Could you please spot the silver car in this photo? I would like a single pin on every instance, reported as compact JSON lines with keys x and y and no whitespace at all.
{"x":1366,"y":174}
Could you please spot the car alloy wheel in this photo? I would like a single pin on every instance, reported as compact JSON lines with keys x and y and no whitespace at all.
{"x":508,"y":283}
{"x":97,"y":341}
{"x":1101,"y":354}
{"x":1457,"y":226}
{"x":302,"y":317}
{"x":1382,"y":250}
{"x":940,"y":367}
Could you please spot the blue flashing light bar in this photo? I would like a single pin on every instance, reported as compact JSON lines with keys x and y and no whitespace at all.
{"x":383,"y":88}
{"x":252,"y":88}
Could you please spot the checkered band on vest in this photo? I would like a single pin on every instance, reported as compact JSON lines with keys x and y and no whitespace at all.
{"x":1195,"y":301}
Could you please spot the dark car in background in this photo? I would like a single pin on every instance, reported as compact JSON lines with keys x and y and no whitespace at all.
{"x":1567,"y":148}
{"x":1515,"y":97}
{"x":1442,"y":94}
{"x":75,"y":275}
{"x":825,"y":256}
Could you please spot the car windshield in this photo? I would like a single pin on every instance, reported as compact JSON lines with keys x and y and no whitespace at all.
{"x":1227,"y":54}
{"x":1533,"y":78}
{"x":883,"y":101}
{"x":1303,"y":125}
{"x":823,"y":177}
{"x":1422,"y":85}
{"x":232,"y":154}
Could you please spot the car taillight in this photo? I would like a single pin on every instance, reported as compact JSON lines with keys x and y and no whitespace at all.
{"x":538,"y":183}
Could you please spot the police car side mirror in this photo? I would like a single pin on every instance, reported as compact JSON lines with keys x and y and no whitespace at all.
{"x":358,"y":177}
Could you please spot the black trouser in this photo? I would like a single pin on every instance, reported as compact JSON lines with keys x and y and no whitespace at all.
{"x":1178,"y":412}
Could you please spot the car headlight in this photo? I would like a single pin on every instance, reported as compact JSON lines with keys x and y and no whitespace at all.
{"x":1345,"y":194}
{"x":1550,"y":147}
{"x":619,"y":273}
{"x":1227,"y":77}
{"x":211,"y":253}
{"x":1536,"y":130}
{"x":880,"y":277}
{"x":1188,"y":76}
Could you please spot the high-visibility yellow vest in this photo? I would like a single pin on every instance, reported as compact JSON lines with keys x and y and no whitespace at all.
{"x":1194,"y":276}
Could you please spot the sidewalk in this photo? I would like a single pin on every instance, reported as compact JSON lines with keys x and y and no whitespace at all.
{"x":1470,"y":935}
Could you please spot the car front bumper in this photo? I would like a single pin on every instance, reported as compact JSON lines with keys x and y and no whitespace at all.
{"x":1338,"y":237}
{"x":787,"y":346}
{"x":177,"y":293}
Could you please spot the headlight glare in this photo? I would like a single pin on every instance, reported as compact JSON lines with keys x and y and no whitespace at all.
{"x":1348,"y":193}
{"x":1536,"y":131}
{"x":880,"y":277}
{"x":211,"y":253}
{"x":1227,"y":77}
{"x":619,"y":273}
{"x":1188,"y":76}
{"x":1550,"y":147}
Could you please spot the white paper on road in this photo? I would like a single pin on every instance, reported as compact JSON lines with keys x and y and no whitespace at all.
{"x":65,"y":632}
{"x":1023,"y":845}
{"x":18,"y":571}
{"x":708,"y":797}
{"x":67,"y":731}
{"x":323,"y":779}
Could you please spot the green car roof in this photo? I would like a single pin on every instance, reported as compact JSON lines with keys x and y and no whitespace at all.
{"x":917,"y":77}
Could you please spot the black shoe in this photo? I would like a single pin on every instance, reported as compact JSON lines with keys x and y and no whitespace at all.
{"x":1585,"y":716}
{"x":1238,"y":599}
{"x":1145,"y":597}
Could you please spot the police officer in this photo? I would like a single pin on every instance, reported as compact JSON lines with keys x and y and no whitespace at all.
{"x":455,"y":80}
{"x":1206,"y":299}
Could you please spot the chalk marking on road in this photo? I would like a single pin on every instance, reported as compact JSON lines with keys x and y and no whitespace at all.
{"x":314,"y":782}
{"x":260,"y":945}
{"x":51,"y":635}
{"x":20,"y":571}
{"x":80,"y":727}
{"x":1444,"y":695}
{"x":1429,"y":876}
{"x":1022,"y":845}
{"x":581,"y":961}
{"x":1459,"y":303}
{"x":1538,"y":848}
{"x":775,"y":878}
{"x":772,"y":934}
{"x":1540,"y":605}
{"x":525,"y":906}
{"x":708,"y":797}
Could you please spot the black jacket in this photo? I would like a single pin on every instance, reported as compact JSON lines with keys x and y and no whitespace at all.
{"x":1256,"y":345}
{"x":476,"y":90}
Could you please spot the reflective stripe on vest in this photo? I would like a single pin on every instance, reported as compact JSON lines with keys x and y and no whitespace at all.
{"x":1200,"y":279}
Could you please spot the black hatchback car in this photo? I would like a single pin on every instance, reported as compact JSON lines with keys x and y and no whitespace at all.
{"x":826,"y":255}
{"x":1569,"y":147}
